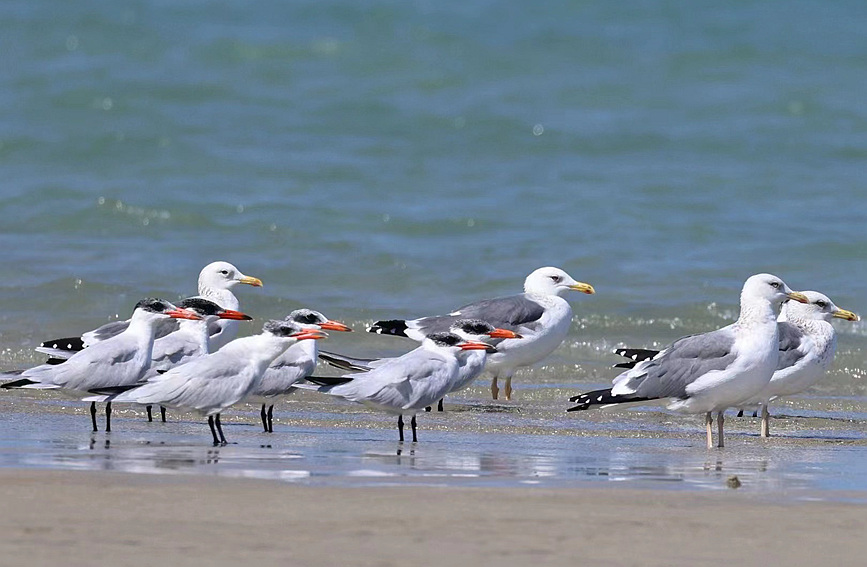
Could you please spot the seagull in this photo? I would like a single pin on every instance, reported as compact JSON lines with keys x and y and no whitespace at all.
{"x":297,"y":363}
{"x":472,"y":364}
{"x":121,"y":360}
{"x":408,"y":383}
{"x":808,"y":342}
{"x":216,"y":281}
{"x":211,"y":383}
{"x":709,"y":372}
{"x":540,"y":315}
{"x":192,"y":339}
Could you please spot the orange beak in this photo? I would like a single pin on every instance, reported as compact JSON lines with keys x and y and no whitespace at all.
{"x":504,"y":334}
{"x":178,"y":313}
{"x":470,"y":345}
{"x":313,"y":334}
{"x":234,"y":315}
{"x":335,"y":326}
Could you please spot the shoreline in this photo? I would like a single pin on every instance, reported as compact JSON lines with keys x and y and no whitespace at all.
{"x":74,"y":517}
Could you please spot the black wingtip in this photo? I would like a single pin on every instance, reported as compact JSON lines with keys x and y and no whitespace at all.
{"x":16,"y":383}
{"x":339,"y":362}
{"x":112,"y":390}
{"x":396,"y":327}
{"x":328,"y":380}
{"x":602,"y":398}
{"x":69,"y":343}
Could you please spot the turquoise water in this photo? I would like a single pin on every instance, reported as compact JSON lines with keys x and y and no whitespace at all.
{"x":391,"y":159}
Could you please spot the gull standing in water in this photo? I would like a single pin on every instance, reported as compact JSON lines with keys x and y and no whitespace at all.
{"x":216,"y":281}
{"x":119,"y":361}
{"x":294,"y":365}
{"x":408,"y":383}
{"x":209,"y":384}
{"x":540,"y":315}
{"x":709,"y":372}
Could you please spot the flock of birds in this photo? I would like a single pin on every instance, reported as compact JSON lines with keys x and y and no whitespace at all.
{"x":187,"y":356}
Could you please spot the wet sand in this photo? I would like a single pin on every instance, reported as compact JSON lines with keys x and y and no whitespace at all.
{"x":85,"y":518}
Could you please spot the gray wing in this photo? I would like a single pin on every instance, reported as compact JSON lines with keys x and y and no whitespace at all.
{"x":793,"y":346}
{"x":504,"y":312}
{"x":679,"y":365}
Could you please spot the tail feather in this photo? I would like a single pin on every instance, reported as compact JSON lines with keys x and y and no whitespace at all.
{"x":16,"y":383}
{"x":603,"y":398}
{"x":395,"y":327}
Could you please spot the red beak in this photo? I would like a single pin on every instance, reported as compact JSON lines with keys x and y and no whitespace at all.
{"x":183,"y":314}
{"x":504,"y":334}
{"x":234,"y":315}
{"x":335,"y":326}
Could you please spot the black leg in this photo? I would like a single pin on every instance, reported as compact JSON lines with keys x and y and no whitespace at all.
{"x":220,"y":430}
{"x":264,"y":417}
{"x":400,"y":426}
{"x":756,"y":413}
{"x":93,"y":415}
{"x":741,"y":413}
{"x":150,"y":415}
{"x":427,"y":408}
{"x":440,"y":405}
{"x":414,"y":433}
{"x":271,"y":418}
{"x":108,"y":416}
{"x":213,"y":431}
{"x":163,"y":413}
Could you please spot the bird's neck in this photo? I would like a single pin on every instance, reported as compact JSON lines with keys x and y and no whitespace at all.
{"x":757,"y":312}
{"x":199,"y":332}
{"x":222,"y":297}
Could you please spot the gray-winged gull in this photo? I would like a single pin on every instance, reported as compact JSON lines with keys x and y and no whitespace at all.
{"x":709,"y":372}
{"x":540,"y":315}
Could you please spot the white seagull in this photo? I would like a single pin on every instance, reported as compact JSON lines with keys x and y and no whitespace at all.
{"x":294,"y":365}
{"x":540,"y":315}
{"x":216,"y":281}
{"x":709,"y":372}
{"x":472,"y":364}
{"x":119,"y":361}
{"x":209,"y":384}
{"x":408,"y":383}
{"x":808,"y":342}
{"x":192,"y":339}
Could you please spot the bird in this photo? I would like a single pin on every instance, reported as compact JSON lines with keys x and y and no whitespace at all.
{"x":192,"y":339}
{"x":808,"y":342}
{"x":471,"y":365}
{"x":709,"y":372}
{"x":216,"y":281}
{"x":119,"y":361}
{"x":405,"y":384}
{"x":295,"y":364}
{"x":211,"y":383}
{"x":540,"y":315}
{"x":807,"y":345}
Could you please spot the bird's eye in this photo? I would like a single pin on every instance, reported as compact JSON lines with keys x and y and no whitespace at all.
{"x":224,"y":272}
{"x":555,"y":279}
{"x":822,"y":304}
{"x":775,"y":285}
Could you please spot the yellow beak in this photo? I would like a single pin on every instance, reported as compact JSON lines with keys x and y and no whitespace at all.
{"x":582,"y":287}
{"x":255,"y":282}
{"x":845,"y":314}
{"x":798,"y":296}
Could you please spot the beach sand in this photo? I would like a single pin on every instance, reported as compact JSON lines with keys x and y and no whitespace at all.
{"x":88,"y":518}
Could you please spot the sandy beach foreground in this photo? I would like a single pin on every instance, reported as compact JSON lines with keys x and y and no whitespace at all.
{"x":91,"y":518}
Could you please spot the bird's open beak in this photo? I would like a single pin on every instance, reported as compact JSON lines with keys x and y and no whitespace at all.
{"x":583,"y":288}
{"x":472,"y":345}
{"x":504,"y":334}
{"x":335,"y":326}
{"x":178,"y":313}
{"x":798,"y":296}
{"x":234,"y":315}
{"x":846,"y":314}
{"x":255,"y":282}
{"x":313,"y":334}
